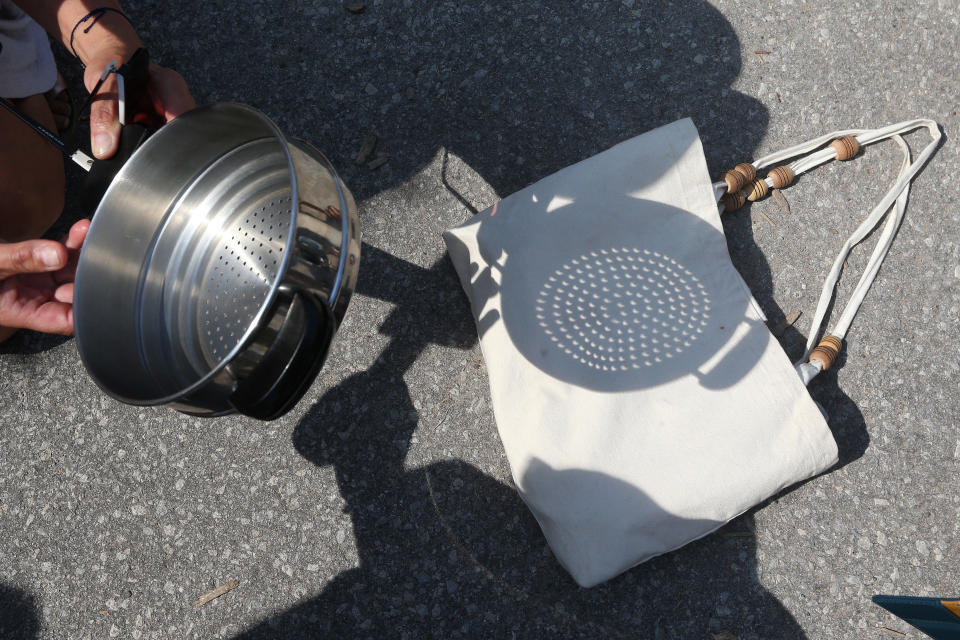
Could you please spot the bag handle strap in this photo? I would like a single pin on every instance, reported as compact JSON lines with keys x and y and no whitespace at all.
{"x":741,"y":184}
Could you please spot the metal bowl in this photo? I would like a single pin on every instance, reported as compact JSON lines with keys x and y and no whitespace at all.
{"x":217,"y":268}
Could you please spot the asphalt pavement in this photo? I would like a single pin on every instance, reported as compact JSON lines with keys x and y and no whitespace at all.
{"x":382,"y":505}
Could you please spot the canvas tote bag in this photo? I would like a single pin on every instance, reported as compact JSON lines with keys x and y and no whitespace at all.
{"x":641,"y":400}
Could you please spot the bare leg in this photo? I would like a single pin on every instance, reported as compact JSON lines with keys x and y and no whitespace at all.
{"x":31,"y":176}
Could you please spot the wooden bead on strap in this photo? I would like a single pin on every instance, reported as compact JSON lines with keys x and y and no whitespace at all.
{"x":827,"y":351}
{"x":732,"y":201}
{"x":739,"y":177}
{"x":735,"y":181}
{"x":781,"y":176}
{"x":846,"y":147}
{"x":748,"y":170}
{"x":758,"y":189}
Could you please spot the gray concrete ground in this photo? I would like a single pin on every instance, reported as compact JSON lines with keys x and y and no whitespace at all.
{"x":381,"y":507}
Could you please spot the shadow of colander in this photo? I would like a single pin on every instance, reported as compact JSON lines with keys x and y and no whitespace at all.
{"x":626,"y":297}
{"x":623,"y":309}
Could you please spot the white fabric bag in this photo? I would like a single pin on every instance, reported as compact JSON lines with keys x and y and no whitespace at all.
{"x":641,"y":400}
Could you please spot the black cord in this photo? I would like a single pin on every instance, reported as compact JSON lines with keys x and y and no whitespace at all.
{"x":94,"y":15}
{"x":36,"y":126}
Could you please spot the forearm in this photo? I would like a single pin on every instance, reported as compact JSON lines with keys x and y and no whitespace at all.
{"x":110,"y":33}
{"x":104,"y":38}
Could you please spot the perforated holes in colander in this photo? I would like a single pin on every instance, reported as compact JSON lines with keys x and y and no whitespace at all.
{"x":240,"y":279}
{"x":622,"y":309}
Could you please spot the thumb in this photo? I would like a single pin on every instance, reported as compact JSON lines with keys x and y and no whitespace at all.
{"x":32,"y":256}
{"x":104,"y":120}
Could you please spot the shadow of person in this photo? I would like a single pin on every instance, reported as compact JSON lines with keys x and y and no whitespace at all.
{"x":517,"y":91}
{"x":18,"y":614}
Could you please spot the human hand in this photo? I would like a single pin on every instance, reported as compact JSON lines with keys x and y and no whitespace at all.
{"x":167,"y":96}
{"x":36,"y":282}
{"x":109,"y":36}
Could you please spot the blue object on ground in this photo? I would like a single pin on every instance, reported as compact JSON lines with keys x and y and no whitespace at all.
{"x":937,"y":617}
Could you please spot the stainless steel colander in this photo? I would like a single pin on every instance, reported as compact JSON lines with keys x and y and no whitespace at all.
{"x":218,"y":265}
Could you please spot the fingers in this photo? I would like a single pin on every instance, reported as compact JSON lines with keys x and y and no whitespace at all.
{"x":49,"y":317}
{"x":77,"y":234}
{"x":32,"y":256}
{"x":167,"y":89}
{"x":170,"y":92}
{"x":105,"y":119}
{"x":36,"y":310}
{"x":64,"y":293}
{"x":73,"y":242}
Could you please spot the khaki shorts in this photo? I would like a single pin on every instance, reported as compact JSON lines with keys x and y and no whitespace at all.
{"x":26,"y":61}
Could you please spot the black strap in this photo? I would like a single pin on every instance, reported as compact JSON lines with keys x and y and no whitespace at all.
{"x":135,"y":72}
